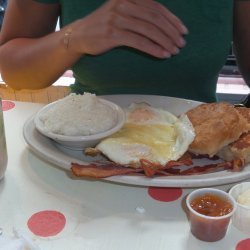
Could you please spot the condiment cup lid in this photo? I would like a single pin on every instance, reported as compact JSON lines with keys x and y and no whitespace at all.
{"x":199,"y":192}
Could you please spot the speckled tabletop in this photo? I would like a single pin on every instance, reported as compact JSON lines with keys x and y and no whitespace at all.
{"x":57,"y":211}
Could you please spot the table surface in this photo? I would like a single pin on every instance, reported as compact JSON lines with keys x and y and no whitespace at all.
{"x":60,"y":212}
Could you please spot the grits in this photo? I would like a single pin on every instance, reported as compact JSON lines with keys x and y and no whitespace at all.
{"x":79,"y":115}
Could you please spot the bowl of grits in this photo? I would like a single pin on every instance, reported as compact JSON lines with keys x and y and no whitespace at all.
{"x":79,"y":121}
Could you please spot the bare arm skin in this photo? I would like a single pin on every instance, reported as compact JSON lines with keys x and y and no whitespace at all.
{"x":242,"y":37}
{"x":33,"y":56}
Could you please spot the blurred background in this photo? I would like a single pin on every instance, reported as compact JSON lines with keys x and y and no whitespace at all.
{"x":3,"y":4}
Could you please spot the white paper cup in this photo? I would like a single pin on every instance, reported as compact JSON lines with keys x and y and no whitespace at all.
{"x":209,"y":228}
{"x":241,"y":218}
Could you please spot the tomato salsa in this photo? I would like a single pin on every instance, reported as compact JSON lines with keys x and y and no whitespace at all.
{"x":210,"y":223}
{"x":211,"y":205}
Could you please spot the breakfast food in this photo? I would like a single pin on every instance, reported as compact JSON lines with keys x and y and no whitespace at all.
{"x":149,"y":133}
{"x":216,"y":125}
{"x":245,"y":112}
{"x":155,"y":142}
{"x":79,"y":115}
{"x":240,"y":148}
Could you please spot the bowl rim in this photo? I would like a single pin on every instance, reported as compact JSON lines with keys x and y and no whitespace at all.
{"x":121,"y":117}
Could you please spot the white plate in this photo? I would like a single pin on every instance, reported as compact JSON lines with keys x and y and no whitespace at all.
{"x":63,"y":157}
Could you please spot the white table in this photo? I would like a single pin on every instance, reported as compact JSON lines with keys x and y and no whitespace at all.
{"x":99,"y":215}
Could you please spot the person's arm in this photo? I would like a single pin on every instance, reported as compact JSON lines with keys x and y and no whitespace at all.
{"x":32,"y":55}
{"x":241,"y":37}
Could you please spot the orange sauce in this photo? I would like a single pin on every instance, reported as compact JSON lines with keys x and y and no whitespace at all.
{"x":211,"y":205}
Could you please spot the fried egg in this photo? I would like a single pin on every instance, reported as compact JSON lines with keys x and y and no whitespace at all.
{"x":149,"y":133}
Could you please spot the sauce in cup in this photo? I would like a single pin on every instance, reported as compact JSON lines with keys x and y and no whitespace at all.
{"x":211,"y":205}
{"x":210,"y":213}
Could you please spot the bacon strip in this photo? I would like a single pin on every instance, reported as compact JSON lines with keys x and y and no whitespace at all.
{"x":234,"y":165}
{"x":206,"y":169}
{"x":238,"y":165}
{"x":150,"y":169}
{"x":94,"y":170}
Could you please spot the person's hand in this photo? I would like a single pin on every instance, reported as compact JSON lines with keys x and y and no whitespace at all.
{"x":145,"y":25}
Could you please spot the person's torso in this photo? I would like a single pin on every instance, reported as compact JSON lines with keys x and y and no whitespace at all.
{"x":190,"y":74}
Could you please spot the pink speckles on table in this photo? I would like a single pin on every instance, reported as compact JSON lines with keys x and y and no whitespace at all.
{"x":165,"y":194}
{"x":243,"y":245}
{"x":7,"y":105}
{"x":46,"y":223}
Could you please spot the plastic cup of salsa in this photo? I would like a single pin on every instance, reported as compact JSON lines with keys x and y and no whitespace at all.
{"x":210,"y":211}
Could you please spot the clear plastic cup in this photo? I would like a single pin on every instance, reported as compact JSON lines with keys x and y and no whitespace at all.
{"x":241,"y":218}
{"x":209,"y":228}
{"x":3,"y":148}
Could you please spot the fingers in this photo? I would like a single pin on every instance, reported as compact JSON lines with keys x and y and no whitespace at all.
{"x":151,"y":17}
{"x":154,"y":21}
{"x":174,"y":20}
{"x":136,"y":41}
{"x":144,"y":25}
{"x":156,"y":36}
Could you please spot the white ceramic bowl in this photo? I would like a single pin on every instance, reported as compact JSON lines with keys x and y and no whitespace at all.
{"x":81,"y":142}
{"x":241,"y":218}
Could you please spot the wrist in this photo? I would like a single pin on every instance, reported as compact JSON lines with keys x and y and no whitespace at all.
{"x":67,"y":41}
{"x":67,"y":37}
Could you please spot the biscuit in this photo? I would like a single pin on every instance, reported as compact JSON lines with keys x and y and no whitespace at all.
{"x":216,"y":125}
{"x":240,"y":149}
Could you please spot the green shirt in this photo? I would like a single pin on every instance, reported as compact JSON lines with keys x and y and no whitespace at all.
{"x":191,"y":74}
